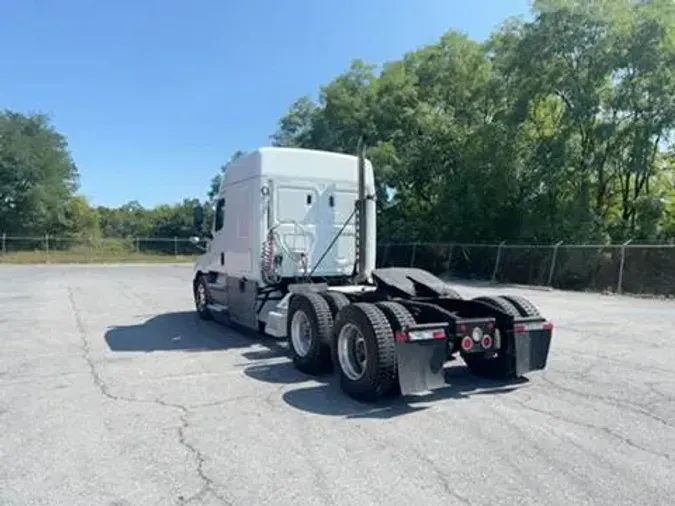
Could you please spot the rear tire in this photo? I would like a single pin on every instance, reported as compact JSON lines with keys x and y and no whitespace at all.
{"x":336,"y":301}
{"x":398,"y":317}
{"x":503,"y":364}
{"x":524,"y":306}
{"x":499,"y":303}
{"x":200,"y":293}
{"x":397,"y":314}
{"x":308,"y":328}
{"x":364,"y":352}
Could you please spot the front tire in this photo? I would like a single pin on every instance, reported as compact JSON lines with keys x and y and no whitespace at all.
{"x":200,"y":293}
{"x":308,"y":328}
{"x":364,"y":352}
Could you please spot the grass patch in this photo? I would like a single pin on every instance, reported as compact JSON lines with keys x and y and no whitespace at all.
{"x":90,"y":257}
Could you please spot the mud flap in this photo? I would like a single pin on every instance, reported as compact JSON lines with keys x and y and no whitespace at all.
{"x":532,"y":347}
{"x":420,"y":365}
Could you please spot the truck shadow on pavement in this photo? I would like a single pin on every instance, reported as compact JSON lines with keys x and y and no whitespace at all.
{"x":329,"y":400}
{"x":266,"y":359}
{"x":326,"y":398}
{"x":178,"y":331}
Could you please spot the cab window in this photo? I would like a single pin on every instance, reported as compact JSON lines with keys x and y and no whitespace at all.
{"x":219,"y":218}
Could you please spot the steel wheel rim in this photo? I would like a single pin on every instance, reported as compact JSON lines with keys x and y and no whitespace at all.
{"x":352,"y":353}
{"x":301,"y":333}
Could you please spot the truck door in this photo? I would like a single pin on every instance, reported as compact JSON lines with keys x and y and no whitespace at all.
{"x":218,"y":278}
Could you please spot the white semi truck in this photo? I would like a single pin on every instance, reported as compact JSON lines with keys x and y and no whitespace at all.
{"x":291,"y":254}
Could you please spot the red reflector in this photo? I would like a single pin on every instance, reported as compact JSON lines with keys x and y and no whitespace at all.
{"x":491,"y":325}
{"x":467,"y":343}
{"x":462,"y":328}
{"x":486,"y":342}
{"x":519,"y":327}
{"x":438,"y":334}
{"x":401,"y":337}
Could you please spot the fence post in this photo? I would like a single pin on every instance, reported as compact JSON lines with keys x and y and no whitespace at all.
{"x":499,"y":256}
{"x":4,"y":243}
{"x":619,"y":283}
{"x":47,"y":247}
{"x":175,"y":247}
{"x":138,"y":248}
{"x":553,"y":260}
{"x":412,"y":255}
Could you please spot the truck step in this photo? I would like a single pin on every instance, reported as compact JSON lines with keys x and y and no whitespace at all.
{"x":218,"y":308}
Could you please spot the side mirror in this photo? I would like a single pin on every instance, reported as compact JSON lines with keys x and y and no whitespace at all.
{"x":195,"y":241}
{"x":198,"y":217}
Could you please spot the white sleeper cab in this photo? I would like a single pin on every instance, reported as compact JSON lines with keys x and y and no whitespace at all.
{"x":291,"y":254}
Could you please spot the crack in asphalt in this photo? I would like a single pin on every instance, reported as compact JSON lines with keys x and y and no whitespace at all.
{"x":662,"y":397}
{"x":404,"y":450}
{"x":613,"y":401}
{"x":606,"y":430}
{"x":208,"y":484}
{"x":624,"y":364}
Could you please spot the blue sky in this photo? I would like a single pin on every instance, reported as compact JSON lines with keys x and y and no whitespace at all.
{"x":154,"y":95}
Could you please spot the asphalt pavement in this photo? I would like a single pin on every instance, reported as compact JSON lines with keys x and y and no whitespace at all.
{"x":113,"y":393}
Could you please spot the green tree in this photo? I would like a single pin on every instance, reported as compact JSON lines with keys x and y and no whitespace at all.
{"x":556,"y":128}
{"x":37,"y":175}
{"x":295,"y":129}
{"x":218,"y":178}
{"x":82,"y":219}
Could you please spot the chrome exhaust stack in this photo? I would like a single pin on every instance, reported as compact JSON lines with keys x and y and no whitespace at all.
{"x":362,"y":222}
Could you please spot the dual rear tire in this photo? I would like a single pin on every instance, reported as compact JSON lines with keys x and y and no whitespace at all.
{"x":326,"y":332}
{"x":309,"y":326}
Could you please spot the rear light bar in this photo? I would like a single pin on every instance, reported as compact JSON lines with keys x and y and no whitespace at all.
{"x":476,"y":335}
{"x":463,"y":328}
{"x":520,"y":328}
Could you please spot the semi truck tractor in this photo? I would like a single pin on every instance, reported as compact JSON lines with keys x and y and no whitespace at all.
{"x":291,"y":254}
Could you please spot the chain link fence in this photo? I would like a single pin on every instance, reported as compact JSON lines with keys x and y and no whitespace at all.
{"x":50,"y":249}
{"x":643,"y":269}
{"x":623,"y":268}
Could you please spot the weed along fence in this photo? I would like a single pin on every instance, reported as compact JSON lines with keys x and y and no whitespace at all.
{"x":619,"y":268}
{"x":52,"y":249}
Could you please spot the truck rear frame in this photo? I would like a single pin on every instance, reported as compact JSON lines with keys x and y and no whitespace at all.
{"x":395,"y":337}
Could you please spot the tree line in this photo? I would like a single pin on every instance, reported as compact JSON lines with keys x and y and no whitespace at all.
{"x":555,"y":128}
{"x":39,"y":183}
